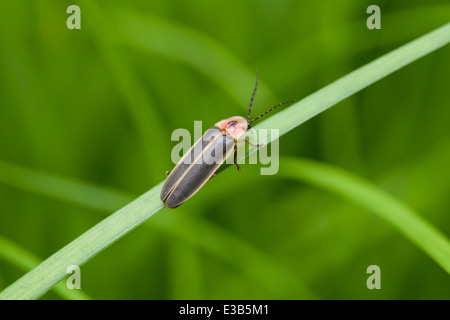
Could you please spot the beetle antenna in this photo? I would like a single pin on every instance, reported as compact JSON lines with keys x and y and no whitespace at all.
{"x":253,"y":95}
{"x":280,"y":104}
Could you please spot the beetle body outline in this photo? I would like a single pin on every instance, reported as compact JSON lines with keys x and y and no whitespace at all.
{"x":207,"y":154}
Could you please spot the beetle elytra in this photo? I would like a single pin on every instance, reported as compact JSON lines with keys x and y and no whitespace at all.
{"x":202,"y":160}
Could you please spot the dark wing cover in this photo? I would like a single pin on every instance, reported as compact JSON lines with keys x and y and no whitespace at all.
{"x":196,"y":167}
{"x":186,"y":161}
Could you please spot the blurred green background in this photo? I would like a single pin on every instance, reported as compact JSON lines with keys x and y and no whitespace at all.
{"x":97,"y":106}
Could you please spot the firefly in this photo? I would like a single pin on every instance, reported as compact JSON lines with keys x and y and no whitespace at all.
{"x":202,"y":160}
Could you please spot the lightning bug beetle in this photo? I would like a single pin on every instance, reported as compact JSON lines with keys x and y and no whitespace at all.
{"x":202,"y":160}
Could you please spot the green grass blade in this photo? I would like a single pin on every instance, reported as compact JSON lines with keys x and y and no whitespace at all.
{"x":64,"y":189}
{"x":272,"y":276}
{"x":350,"y":45}
{"x":39,"y":280}
{"x":355,"y":81}
{"x":26,"y":261}
{"x":42,"y":278}
{"x":356,"y":189}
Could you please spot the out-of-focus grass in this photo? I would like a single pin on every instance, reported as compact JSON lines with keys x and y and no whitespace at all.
{"x":47,"y":274}
{"x":417,"y":229}
{"x":350,"y":43}
{"x":66,"y":108}
{"x":193,"y":48}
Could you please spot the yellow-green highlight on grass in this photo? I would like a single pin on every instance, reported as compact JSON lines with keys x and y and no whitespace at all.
{"x":51,"y":271}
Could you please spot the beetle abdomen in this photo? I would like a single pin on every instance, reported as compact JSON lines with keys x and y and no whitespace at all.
{"x":196,"y":167}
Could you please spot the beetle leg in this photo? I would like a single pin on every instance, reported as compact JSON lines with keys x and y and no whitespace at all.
{"x":261,"y":145}
{"x":235,"y":157}
{"x":212,"y":176}
{"x":167,"y":172}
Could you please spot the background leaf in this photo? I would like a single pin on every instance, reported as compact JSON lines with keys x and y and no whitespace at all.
{"x":95,"y":107}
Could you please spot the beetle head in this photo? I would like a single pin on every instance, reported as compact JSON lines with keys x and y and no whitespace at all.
{"x":234,"y":126}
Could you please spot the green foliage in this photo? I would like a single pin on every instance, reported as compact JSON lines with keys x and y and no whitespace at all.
{"x":98,"y":105}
